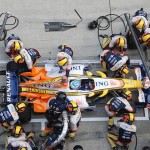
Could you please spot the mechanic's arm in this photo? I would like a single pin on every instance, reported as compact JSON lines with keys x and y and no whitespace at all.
{"x":146,"y":23}
{"x":73,"y":125}
{"x":13,"y":139}
{"x":133,"y":20}
{"x":68,"y":66}
{"x":28,"y":59}
{"x":21,"y":144}
{"x":12,"y":123}
{"x":129,"y":108}
{"x":125,"y":46}
{"x":112,"y":45}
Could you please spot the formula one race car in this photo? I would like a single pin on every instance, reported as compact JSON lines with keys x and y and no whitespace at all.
{"x":42,"y":83}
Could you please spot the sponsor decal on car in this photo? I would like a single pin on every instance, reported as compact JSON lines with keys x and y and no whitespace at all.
{"x":8,"y":85}
{"x":76,"y":67}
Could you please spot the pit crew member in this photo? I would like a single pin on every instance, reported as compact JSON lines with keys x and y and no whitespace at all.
{"x":125,"y":131}
{"x":56,"y":138}
{"x":74,"y":118}
{"x":64,"y":59}
{"x":13,"y":46}
{"x":56,"y":107}
{"x":11,"y":114}
{"x":24,"y":61}
{"x":117,"y":104}
{"x":114,"y":62}
{"x":19,"y":139}
{"x":118,"y":42}
{"x":140,"y":21}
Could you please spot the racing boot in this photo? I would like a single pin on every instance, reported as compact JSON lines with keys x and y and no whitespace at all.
{"x":45,"y":132}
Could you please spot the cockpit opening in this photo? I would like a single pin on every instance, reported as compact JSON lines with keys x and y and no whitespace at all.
{"x":83,"y":84}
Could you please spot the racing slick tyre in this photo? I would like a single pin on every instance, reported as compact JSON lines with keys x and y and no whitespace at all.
{"x":25,"y":115}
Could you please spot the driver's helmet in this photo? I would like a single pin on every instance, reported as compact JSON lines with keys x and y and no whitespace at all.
{"x":61,"y":96}
{"x":17,"y":131}
{"x":62,"y":61}
{"x":127,"y":95}
{"x":17,"y":45}
{"x":75,"y":84}
{"x":146,"y":37}
{"x":20,"y":106}
{"x":19,"y":59}
{"x":140,"y":24}
{"x":120,"y":42}
{"x":73,"y":107}
{"x":124,"y":69}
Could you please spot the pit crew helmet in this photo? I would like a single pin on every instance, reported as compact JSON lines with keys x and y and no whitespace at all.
{"x":20,"y":107}
{"x":62,"y":61}
{"x":17,"y":131}
{"x":130,"y":118}
{"x":61,"y":95}
{"x":139,"y":24}
{"x":72,"y":107}
{"x":23,"y":148}
{"x":17,"y":45}
{"x":63,"y":46}
{"x":19,"y":59}
{"x":124,"y":69}
{"x":120,"y":42}
{"x":127,"y":95}
{"x":146,"y":37}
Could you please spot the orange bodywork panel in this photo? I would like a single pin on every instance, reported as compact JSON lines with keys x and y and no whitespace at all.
{"x":35,"y":71}
{"x":39,"y":106}
{"x":36,"y":95}
{"x":39,"y":101}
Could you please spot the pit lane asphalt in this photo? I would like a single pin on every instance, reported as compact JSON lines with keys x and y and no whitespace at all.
{"x":32,"y":15}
